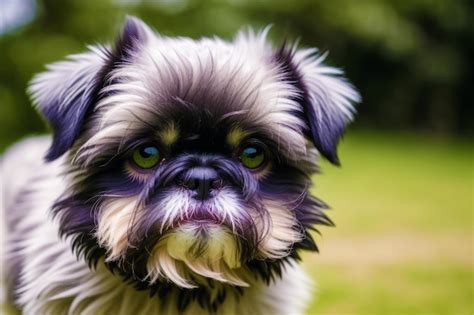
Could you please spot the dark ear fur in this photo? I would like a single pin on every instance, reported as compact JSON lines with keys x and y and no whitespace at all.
{"x":326,"y":97}
{"x":67,"y":92}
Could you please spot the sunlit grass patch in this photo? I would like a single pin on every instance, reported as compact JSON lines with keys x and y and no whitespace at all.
{"x":393,"y":289}
{"x":399,"y":182}
{"x":403,"y":242}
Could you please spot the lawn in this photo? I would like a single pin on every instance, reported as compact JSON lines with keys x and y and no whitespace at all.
{"x":404,"y":237}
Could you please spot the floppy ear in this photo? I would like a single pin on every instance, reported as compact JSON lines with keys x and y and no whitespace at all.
{"x":67,"y":92}
{"x":326,"y":97}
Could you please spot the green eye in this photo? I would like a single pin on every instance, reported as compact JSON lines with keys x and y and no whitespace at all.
{"x":146,"y":156}
{"x":252,"y":156}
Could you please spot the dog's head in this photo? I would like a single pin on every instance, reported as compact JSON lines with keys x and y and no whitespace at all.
{"x":191,"y":160}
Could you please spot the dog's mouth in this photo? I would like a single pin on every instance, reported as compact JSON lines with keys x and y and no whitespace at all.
{"x":225,"y":209}
{"x":201,"y":217}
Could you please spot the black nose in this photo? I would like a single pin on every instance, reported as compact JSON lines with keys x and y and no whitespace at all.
{"x":202,"y":180}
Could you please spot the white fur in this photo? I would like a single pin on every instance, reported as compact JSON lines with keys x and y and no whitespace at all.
{"x":327,"y":89}
{"x":282,"y":234}
{"x":116,"y":217}
{"x":53,"y":281}
{"x":64,"y":74}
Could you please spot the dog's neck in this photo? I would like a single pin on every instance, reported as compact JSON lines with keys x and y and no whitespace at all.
{"x":77,"y":289}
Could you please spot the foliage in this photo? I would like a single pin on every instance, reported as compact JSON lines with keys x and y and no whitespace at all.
{"x":410,"y":59}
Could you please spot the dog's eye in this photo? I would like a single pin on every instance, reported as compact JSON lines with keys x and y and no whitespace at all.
{"x":252,"y":156}
{"x":146,"y":156}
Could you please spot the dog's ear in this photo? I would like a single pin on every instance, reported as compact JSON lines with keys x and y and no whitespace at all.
{"x":326,"y":96}
{"x":67,"y":92}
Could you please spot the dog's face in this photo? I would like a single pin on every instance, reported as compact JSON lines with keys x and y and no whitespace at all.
{"x":191,"y":160}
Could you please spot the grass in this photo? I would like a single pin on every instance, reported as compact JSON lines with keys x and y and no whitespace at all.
{"x":403,"y":242}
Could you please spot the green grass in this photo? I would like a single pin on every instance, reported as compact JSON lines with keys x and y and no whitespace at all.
{"x":394,"y":289}
{"x":403,"y":206}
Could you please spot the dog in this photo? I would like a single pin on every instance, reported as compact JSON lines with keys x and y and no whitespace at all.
{"x":176,"y":179}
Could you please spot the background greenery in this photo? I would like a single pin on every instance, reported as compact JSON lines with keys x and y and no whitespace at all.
{"x":403,"y":242}
{"x":403,"y":198}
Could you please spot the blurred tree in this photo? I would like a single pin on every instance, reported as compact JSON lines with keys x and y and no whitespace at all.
{"x":412,"y":60}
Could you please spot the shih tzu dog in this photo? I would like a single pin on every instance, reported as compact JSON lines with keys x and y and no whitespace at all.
{"x":176,"y":180}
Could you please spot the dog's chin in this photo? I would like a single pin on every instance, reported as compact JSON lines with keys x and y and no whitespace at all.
{"x":196,"y":251}
{"x":204,"y":240}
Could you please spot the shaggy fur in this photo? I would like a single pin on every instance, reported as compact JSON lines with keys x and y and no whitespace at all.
{"x":90,"y":233}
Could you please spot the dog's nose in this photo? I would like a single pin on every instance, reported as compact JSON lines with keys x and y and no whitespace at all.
{"x":202,"y":180}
